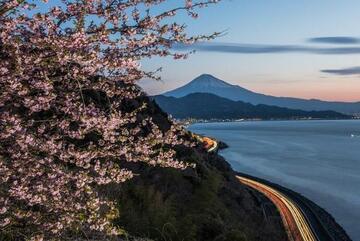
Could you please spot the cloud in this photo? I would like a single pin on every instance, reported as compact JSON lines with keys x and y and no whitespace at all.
{"x":345,"y":71}
{"x":264,"y":49}
{"x":335,"y":40}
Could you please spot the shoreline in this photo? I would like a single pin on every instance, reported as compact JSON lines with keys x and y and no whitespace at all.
{"x":323,"y":223}
{"x":265,"y":120}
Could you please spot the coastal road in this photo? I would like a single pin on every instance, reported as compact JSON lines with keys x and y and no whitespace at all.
{"x":211,"y":145}
{"x":296,"y":223}
{"x":214,"y":146}
{"x":303,"y":220}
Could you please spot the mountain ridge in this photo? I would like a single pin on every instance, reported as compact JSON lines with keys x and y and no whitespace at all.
{"x":210,"y":106}
{"x":237,"y":93}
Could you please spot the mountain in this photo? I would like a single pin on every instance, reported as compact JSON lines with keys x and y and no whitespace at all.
{"x":209,"y":84}
{"x":210,"y":106}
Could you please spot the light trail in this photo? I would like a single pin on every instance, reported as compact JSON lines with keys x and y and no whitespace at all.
{"x":214,"y":147}
{"x":295,"y":222}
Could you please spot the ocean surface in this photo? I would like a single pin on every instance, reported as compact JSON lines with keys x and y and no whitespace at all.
{"x":319,"y":159}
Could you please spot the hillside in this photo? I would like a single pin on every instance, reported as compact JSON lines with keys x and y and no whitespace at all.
{"x":210,"y":106}
{"x":209,"y":84}
{"x":202,"y":204}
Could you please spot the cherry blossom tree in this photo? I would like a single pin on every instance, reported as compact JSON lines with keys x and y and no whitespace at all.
{"x":67,"y":77}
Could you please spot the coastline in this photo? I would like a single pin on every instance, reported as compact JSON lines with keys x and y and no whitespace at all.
{"x":322,"y":222}
{"x":187,"y":123}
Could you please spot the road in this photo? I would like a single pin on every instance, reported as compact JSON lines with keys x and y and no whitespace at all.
{"x":214,"y":146}
{"x":303,"y":220}
{"x":296,"y":224}
{"x":210,"y":144}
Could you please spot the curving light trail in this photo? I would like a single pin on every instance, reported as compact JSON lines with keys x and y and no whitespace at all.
{"x":295,"y":222}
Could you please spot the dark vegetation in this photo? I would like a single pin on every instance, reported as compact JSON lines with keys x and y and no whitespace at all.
{"x":210,"y":106}
{"x":205,"y":203}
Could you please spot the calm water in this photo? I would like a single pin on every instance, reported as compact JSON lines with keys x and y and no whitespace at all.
{"x":319,"y":159}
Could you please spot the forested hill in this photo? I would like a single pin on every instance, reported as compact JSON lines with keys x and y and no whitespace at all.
{"x":206,"y":203}
{"x":210,"y":106}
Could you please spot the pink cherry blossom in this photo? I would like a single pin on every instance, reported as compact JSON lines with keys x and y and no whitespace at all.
{"x":65,"y":127}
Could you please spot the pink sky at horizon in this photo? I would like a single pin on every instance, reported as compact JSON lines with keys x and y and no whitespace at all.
{"x":325,"y":91}
{"x":312,"y":94}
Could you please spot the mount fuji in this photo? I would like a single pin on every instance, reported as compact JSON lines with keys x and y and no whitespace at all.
{"x":206,"y":83}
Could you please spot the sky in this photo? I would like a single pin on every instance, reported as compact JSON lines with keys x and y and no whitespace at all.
{"x":306,"y":48}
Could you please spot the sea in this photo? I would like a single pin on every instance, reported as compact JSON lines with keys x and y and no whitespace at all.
{"x":318,"y":158}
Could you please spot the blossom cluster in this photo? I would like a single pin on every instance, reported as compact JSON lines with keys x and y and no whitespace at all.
{"x":67,"y":78}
